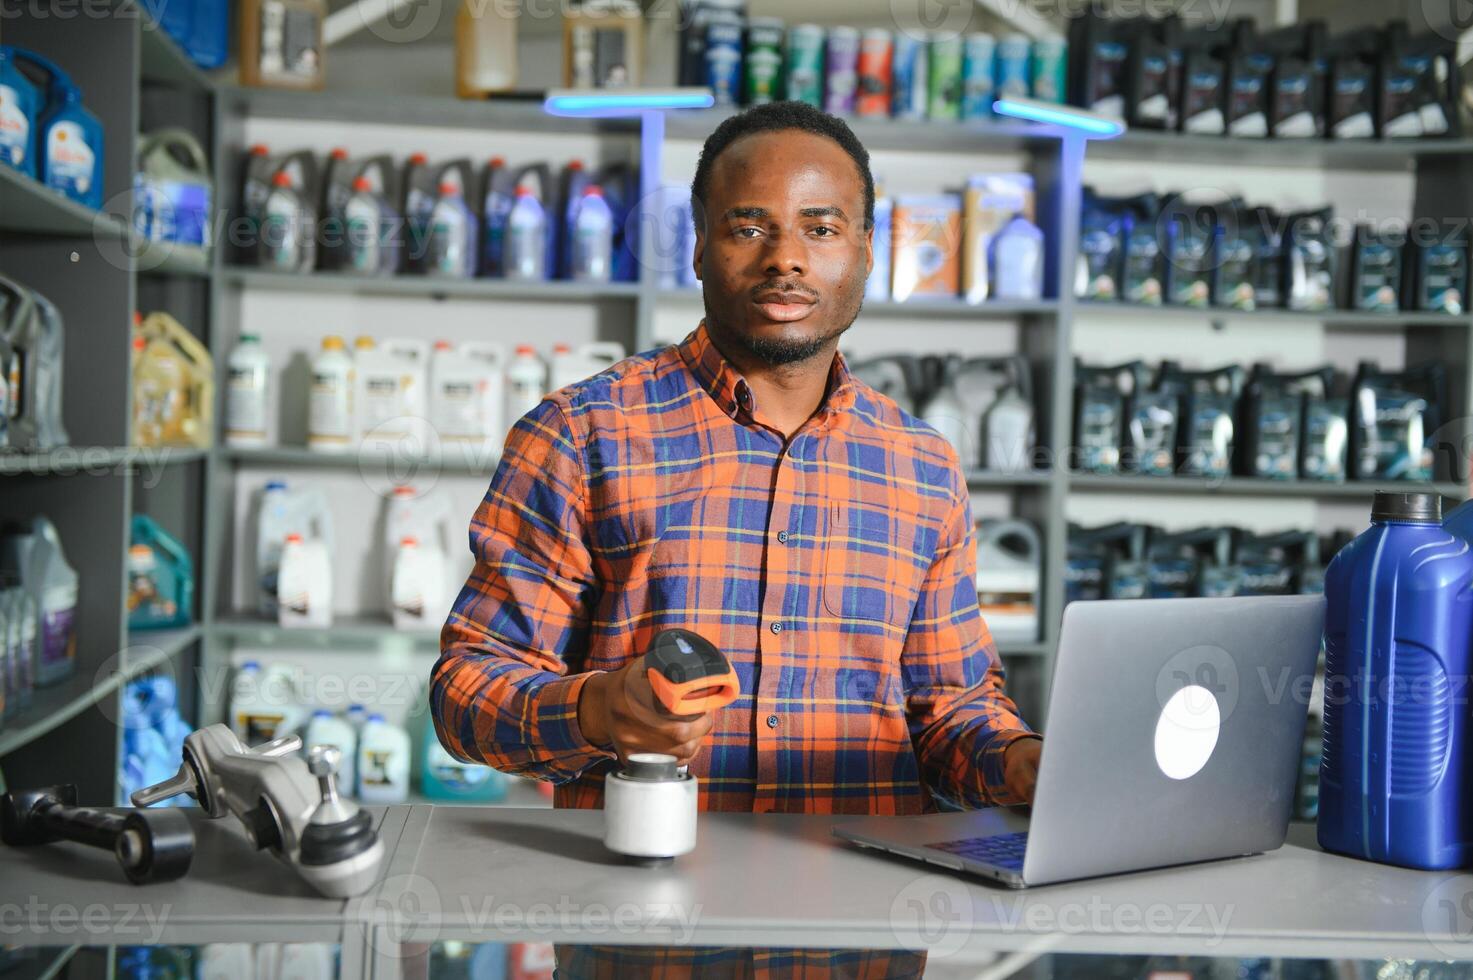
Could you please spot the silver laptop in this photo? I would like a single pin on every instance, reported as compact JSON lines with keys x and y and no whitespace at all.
{"x":1174,"y":734}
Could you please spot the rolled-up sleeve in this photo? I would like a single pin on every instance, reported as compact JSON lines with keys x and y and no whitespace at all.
{"x":961,"y":720}
{"x":504,"y":691}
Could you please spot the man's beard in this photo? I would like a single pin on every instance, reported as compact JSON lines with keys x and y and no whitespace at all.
{"x":781,"y":351}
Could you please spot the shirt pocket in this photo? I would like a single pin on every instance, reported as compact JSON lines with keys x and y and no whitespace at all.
{"x":859,"y":569}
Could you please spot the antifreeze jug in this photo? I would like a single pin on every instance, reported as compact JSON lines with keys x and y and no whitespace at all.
{"x":1395,"y":785}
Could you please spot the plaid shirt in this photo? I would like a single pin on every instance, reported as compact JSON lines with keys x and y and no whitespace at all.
{"x":835,"y":569}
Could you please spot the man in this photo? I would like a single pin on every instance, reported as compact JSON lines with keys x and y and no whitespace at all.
{"x":743,"y":485}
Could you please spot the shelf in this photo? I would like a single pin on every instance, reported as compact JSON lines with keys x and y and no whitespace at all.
{"x":168,"y":642}
{"x":53,"y":706}
{"x":163,"y":61}
{"x":29,"y":206}
{"x":1334,"y":319}
{"x":337,"y":282}
{"x":345,"y":633}
{"x":1249,"y":486}
{"x":981,"y":479}
{"x":50,"y":961}
{"x":157,"y":258}
{"x":1009,"y":648}
{"x":980,"y":136}
{"x":375,"y":108}
{"x":1317,"y":154}
{"x":469,"y":460}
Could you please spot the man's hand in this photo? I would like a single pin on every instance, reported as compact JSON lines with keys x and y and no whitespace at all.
{"x":1020,"y":768}
{"x":618,"y":709}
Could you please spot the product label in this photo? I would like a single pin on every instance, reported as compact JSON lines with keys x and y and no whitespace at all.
{"x":1142,"y":266}
{"x":15,"y":128}
{"x":1376,"y":285}
{"x":1442,"y":280}
{"x":1152,"y":431}
{"x":458,"y":410}
{"x":363,"y":234}
{"x":1326,"y":434}
{"x":1210,"y":448}
{"x":57,"y":635}
{"x":383,"y":399}
{"x":1099,"y":434}
{"x":288,"y":44}
{"x":1278,"y":439}
{"x":245,"y":402}
{"x":330,"y":408}
{"x":70,"y":162}
{"x":1393,"y":434}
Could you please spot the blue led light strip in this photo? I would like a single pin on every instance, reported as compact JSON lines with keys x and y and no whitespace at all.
{"x":1087,"y":122}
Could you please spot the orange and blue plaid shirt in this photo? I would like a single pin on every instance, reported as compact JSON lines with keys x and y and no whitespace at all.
{"x":835,"y":569}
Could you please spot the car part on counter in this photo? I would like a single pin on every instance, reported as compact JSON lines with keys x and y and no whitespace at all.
{"x":157,"y":845}
{"x":288,"y":806}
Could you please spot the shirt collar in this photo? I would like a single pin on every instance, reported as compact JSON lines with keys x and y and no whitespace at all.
{"x":730,"y":391}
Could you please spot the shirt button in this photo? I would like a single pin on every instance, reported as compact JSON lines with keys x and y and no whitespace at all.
{"x":777,"y":627}
{"x":782,"y":537}
{"x":772,"y":721}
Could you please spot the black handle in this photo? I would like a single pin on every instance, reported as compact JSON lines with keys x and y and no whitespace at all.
{"x":150,"y":845}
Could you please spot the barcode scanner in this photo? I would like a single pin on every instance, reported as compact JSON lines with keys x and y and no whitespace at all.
{"x":688,"y":674}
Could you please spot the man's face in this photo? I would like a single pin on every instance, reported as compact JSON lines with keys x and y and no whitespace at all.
{"x":785,"y":253}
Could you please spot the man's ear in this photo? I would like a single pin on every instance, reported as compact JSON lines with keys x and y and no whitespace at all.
{"x":869,"y":249}
{"x":699,"y":253}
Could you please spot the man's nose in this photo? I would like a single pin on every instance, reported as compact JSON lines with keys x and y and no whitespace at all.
{"x":786,"y":256}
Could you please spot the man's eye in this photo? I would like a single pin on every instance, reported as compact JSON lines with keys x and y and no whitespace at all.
{"x":825,"y":231}
{"x":748,"y":231}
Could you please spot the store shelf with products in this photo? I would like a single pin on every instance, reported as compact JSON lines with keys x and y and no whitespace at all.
{"x":513,"y":113}
{"x":471,"y":459}
{"x":345,"y":633}
{"x":1250,"y":486}
{"x":53,"y":706}
{"x":1373,"y":155}
{"x":495,"y":289}
{"x":1332,"y":318}
{"x":27,"y":205}
{"x":160,"y":258}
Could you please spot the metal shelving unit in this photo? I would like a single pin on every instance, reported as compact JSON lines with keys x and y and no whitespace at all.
{"x":97,"y":272}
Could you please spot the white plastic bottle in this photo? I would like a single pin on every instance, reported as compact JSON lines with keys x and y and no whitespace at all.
{"x":326,"y":728}
{"x":390,"y":392}
{"x":264,"y":704}
{"x":1017,"y":261}
{"x":593,"y":237}
{"x":34,"y":556}
{"x":356,"y":715}
{"x":468,"y":395}
{"x":330,"y":403}
{"x":284,"y":230}
{"x":383,"y":762}
{"x":248,"y":393}
{"x":411,"y":513}
{"x":226,"y":961}
{"x":451,"y":249}
{"x":526,"y":383}
{"x":570,"y":364}
{"x":306,"y":961}
{"x":526,"y":238}
{"x":304,"y":584}
{"x":282,"y":511}
{"x":418,"y":589}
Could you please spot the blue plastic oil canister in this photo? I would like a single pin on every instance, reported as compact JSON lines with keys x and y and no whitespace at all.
{"x":19,"y":105}
{"x":209,"y":35}
{"x":1394,"y":773}
{"x":69,"y":150}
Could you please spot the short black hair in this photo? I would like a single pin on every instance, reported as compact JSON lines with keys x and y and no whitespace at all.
{"x":774,"y":117}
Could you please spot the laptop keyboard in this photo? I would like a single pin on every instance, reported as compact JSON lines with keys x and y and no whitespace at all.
{"x":999,"y":850}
